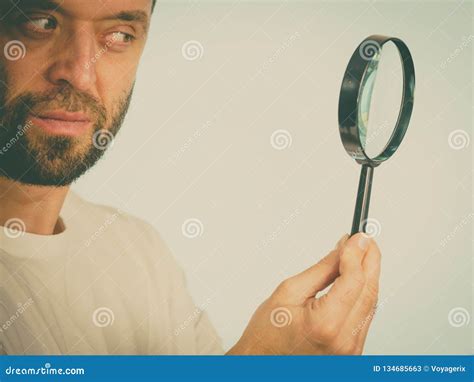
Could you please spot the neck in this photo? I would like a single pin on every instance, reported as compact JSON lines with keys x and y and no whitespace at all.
{"x":37,"y":207}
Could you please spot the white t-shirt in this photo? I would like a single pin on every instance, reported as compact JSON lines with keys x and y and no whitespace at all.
{"x":107,"y":284}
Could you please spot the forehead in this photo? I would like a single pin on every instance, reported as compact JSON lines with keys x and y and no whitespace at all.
{"x":80,"y":9}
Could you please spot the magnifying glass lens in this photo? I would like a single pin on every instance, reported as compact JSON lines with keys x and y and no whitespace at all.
{"x":366,"y":98}
{"x":380,"y":99}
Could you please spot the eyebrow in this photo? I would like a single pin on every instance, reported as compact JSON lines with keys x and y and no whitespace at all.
{"x":137,"y":16}
{"x":47,"y":5}
{"x":10,"y":8}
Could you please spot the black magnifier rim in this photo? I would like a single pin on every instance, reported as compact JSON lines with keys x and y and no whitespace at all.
{"x":349,"y":100}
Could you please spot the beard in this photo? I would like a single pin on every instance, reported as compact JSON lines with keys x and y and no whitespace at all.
{"x":30,"y":156}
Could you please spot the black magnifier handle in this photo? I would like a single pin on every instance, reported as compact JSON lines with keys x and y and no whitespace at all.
{"x":361,"y":211}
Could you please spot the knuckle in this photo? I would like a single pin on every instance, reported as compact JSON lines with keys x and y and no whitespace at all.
{"x":325,"y":263}
{"x":284,"y":288}
{"x":346,"y":254}
{"x":328,"y":333}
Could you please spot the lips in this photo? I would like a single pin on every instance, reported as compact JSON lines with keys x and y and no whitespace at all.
{"x":65,"y":116}
{"x":62,"y":123}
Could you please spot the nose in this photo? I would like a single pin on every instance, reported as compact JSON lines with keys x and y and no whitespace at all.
{"x":74,"y":62}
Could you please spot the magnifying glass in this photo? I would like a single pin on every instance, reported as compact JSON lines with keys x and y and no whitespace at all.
{"x":388,"y":101}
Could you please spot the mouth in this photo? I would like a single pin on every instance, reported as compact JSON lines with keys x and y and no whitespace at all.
{"x":62,"y":123}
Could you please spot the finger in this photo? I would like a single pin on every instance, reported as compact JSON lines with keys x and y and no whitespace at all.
{"x":362,"y":336}
{"x":342,"y":240}
{"x":372,"y":267}
{"x":354,"y":332}
{"x":334,"y":307}
{"x":306,"y":284}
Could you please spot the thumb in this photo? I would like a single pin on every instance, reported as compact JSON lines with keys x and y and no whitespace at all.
{"x":306,"y":284}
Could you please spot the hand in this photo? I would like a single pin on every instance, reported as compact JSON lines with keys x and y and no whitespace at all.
{"x":293,"y":321}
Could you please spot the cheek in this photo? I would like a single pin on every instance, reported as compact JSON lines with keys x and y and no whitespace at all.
{"x":22,"y":75}
{"x":117,"y":71}
{"x":114,"y":86}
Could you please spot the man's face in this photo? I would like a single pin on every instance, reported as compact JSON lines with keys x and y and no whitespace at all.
{"x":67,"y":70}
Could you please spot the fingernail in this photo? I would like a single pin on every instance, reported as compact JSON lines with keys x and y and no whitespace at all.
{"x":363,"y":241}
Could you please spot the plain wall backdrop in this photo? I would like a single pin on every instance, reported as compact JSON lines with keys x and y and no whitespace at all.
{"x":234,"y":125}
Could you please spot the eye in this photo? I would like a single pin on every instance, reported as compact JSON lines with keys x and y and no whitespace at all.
{"x":39,"y":24}
{"x":120,"y":38}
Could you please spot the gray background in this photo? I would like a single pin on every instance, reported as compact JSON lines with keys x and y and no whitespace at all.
{"x":197,"y":144}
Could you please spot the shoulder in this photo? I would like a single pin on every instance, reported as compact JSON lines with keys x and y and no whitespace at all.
{"x":119,"y":228}
{"x":77,"y":208}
